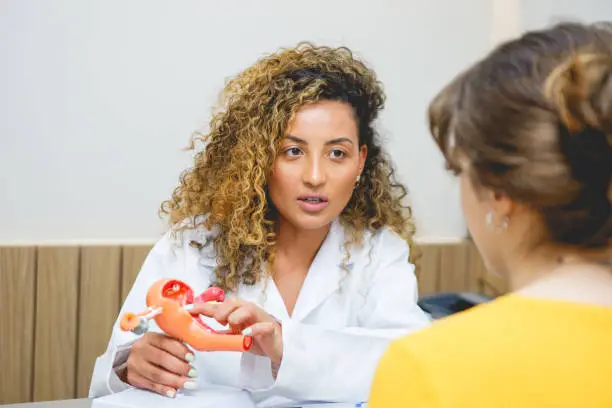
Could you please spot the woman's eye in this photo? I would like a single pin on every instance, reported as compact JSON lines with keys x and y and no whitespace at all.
{"x":337,"y":154}
{"x":293,"y":151}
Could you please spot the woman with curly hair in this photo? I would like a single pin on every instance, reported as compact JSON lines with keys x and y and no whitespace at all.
{"x":292,"y":208}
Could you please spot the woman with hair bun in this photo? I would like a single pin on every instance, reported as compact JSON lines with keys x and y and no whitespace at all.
{"x":528,"y":130}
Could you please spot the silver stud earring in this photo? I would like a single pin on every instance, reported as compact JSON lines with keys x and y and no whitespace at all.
{"x":498,"y":228}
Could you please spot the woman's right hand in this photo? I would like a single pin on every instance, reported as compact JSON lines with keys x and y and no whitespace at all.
{"x":161,"y":364}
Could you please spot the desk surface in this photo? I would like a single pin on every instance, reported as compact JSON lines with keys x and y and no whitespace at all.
{"x":74,"y":403}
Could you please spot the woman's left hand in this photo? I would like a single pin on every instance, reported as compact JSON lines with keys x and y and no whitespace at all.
{"x":249,"y":319}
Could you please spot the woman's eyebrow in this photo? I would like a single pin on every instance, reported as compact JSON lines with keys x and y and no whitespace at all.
{"x":339,"y":140}
{"x":296,"y":139}
{"x":329,"y":142}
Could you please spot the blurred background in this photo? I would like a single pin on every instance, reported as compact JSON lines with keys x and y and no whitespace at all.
{"x":98,"y":98}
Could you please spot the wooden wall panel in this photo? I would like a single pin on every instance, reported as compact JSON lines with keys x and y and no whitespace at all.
{"x":56,"y":323}
{"x":99,"y":294}
{"x":429,"y":269}
{"x":17,"y":303}
{"x":133,"y":258}
{"x":453,"y":267}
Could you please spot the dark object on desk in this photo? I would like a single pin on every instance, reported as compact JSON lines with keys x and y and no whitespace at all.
{"x":445,"y":304}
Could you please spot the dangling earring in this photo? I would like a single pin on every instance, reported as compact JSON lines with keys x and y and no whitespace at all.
{"x":357,"y":180}
{"x":499,"y":228}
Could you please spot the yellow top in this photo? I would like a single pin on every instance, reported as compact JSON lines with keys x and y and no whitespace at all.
{"x":513,"y":352}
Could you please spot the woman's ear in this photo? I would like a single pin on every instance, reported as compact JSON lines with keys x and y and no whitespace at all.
{"x":501,"y":205}
{"x":363,"y":155}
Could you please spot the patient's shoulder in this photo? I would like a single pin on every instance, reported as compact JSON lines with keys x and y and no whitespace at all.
{"x":467,"y":333}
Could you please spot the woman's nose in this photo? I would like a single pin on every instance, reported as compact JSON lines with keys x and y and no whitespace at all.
{"x":314,"y":173}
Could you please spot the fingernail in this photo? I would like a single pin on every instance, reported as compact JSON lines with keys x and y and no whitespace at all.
{"x":248,"y":331}
{"x":192,"y":373}
{"x":190,"y":385}
{"x":170,"y":393}
{"x":189,"y":357}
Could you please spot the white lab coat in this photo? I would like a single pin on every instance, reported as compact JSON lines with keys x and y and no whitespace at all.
{"x":340,"y":327}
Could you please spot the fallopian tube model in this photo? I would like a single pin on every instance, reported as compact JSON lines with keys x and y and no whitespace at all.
{"x":169,"y":302}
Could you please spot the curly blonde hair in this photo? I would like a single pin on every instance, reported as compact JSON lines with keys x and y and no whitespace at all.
{"x":226,"y":189}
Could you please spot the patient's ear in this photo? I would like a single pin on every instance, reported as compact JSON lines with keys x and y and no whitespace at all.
{"x":500,"y":203}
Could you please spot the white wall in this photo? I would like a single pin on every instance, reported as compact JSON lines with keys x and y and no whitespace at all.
{"x":97,"y":98}
{"x":539,"y":13}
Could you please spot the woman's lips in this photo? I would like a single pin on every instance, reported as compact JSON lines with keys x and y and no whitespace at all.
{"x":312,"y":203}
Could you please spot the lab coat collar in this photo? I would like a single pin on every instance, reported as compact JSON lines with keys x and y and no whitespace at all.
{"x":322,"y":281}
{"x":325,"y":274}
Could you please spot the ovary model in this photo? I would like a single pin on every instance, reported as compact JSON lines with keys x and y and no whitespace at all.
{"x":169,"y":303}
